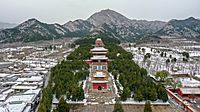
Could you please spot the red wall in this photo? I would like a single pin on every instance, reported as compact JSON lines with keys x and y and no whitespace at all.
{"x":180,"y":101}
{"x":96,"y":85}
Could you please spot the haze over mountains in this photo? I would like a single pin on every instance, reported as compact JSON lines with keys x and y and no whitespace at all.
{"x":105,"y":21}
{"x":7,"y":25}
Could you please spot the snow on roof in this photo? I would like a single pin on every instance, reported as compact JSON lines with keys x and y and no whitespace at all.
{"x":23,"y":87}
{"x":2,"y":75}
{"x":98,"y":39}
{"x":28,"y":98}
{"x":29,"y":83}
{"x":30,"y":73}
{"x":189,"y":82}
{"x":27,"y":69}
{"x":21,"y":79}
{"x":27,"y":109}
{"x":99,"y":74}
{"x":94,"y":81}
{"x":8,"y":91}
{"x":33,"y":78}
{"x":14,"y":107}
{"x":36,"y":91}
{"x":38,"y":68}
{"x":13,"y":75}
{"x":5,"y":63}
{"x":99,"y":58}
{"x":44,"y":72}
{"x":99,"y":49}
{"x":99,"y":52}
{"x":3,"y":97}
{"x":11,"y":83}
{"x":190,"y":90}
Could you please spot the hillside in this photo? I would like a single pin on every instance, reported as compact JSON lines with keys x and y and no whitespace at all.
{"x":188,"y":28}
{"x":32,"y":30}
{"x":107,"y":21}
{"x":121,"y":27}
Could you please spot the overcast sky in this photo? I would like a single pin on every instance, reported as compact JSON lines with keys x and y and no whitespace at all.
{"x":61,"y":11}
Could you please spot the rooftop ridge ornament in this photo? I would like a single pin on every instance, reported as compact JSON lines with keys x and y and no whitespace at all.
{"x":99,"y":43}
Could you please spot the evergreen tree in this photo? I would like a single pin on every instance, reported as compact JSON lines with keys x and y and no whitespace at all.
{"x":147,"y":107}
{"x":62,"y":106}
{"x":143,"y":72}
{"x":152,"y":94}
{"x":165,"y":54}
{"x":54,"y":47}
{"x":118,"y":107}
{"x":162,"y":94}
{"x":50,"y":47}
{"x":143,"y":50}
{"x":42,"y":108}
{"x":167,"y":61}
{"x":162,"y":75}
{"x":186,"y":54}
{"x":161,"y":54}
{"x":81,"y":94}
{"x":126,"y":93}
{"x":138,"y":96}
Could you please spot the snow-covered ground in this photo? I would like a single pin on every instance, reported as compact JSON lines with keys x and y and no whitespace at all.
{"x":157,"y":63}
{"x":188,"y":82}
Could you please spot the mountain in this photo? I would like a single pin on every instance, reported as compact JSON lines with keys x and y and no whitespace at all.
{"x":32,"y":30}
{"x":79,"y":27}
{"x":7,"y":25}
{"x":107,"y":22}
{"x":188,"y":28}
{"x":107,"y":17}
{"x":114,"y":23}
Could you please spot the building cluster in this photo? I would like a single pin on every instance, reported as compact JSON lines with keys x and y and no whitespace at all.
{"x":24,"y":71}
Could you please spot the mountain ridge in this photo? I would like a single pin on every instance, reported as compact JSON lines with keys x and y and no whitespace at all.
{"x":118,"y":25}
{"x":188,"y":28}
{"x":32,"y":30}
{"x":105,"y":21}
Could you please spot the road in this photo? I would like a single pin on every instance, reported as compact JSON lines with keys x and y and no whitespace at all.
{"x":45,"y":85}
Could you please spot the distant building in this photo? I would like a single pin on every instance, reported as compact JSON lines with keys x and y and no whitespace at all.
{"x":185,"y":93}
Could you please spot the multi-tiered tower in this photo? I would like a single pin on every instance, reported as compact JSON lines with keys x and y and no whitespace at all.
{"x":99,"y":68}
